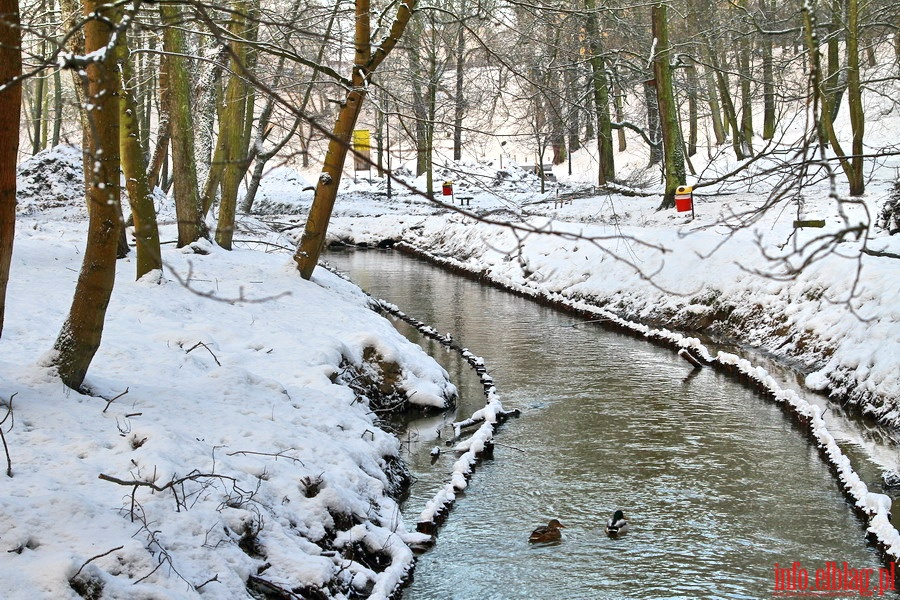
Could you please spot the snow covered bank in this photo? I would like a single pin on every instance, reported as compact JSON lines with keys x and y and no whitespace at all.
{"x":471,"y":450}
{"x":220,"y":450}
{"x":838,"y":320}
{"x":874,"y":507}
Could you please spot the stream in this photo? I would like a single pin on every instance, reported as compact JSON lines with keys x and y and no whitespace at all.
{"x":717,"y":484}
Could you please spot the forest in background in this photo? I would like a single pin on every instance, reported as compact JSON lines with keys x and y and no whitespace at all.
{"x":196,"y":99}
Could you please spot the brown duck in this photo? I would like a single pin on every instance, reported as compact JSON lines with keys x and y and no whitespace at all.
{"x":547,"y":533}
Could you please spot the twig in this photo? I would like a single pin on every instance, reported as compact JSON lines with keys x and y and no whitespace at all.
{"x":276,"y":455}
{"x":210,"y":580}
{"x":108,"y":402}
{"x":276,"y":246}
{"x":880,"y":253}
{"x":179,"y":502}
{"x":496,"y":443}
{"x":162,"y":561}
{"x":93,"y":558}
{"x":207,"y":349}
{"x":9,"y":414}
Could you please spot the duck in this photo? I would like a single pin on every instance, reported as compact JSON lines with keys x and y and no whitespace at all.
{"x":617,"y":525}
{"x":547,"y":533}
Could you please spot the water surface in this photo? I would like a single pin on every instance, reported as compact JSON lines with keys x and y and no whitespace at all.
{"x":716,"y":483}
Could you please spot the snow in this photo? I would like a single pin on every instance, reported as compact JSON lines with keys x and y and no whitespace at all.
{"x":220,"y":442}
{"x":223,"y":384}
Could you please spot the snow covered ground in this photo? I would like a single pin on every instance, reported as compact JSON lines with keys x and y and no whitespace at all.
{"x":221,"y":444}
{"x":726,"y":271}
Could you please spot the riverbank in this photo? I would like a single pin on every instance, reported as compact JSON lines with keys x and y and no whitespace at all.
{"x":609,"y":420}
{"x":838,"y":320}
{"x":228,"y":442}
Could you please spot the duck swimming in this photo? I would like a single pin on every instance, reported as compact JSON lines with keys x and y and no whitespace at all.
{"x":547,"y":533}
{"x":617,"y":525}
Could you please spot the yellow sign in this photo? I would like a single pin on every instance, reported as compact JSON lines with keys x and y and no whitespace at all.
{"x":362,"y":144}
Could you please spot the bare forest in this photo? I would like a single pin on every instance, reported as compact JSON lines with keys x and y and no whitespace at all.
{"x":196,"y":100}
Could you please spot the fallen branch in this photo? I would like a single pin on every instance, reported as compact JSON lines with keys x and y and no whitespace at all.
{"x":93,"y":558}
{"x":880,"y":253}
{"x":510,"y":447}
{"x":8,"y":415}
{"x":179,"y":502}
{"x":111,"y":400}
{"x":270,"y":589}
{"x":276,"y":455}
{"x":686,"y":355}
{"x":210,"y":580}
{"x":194,"y":347}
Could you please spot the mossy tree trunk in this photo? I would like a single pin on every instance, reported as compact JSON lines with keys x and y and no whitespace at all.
{"x":181,"y":128}
{"x":80,"y":335}
{"x":746,"y":75}
{"x":365,"y":63}
{"x":673,"y":151}
{"x":232,"y":130}
{"x":852,"y":165}
{"x":10,"y":113}
{"x":134,"y":167}
{"x":607,"y":167}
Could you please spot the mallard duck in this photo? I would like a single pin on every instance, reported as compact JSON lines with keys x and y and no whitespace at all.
{"x":617,"y":525}
{"x":547,"y":533}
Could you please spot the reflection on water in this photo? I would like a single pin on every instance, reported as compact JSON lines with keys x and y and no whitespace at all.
{"x":715,"y":483}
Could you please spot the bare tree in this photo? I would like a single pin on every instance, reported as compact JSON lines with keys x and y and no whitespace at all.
{"x":366,"y":61}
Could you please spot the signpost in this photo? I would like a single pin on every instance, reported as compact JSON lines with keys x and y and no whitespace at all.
{"x":362,"y":155}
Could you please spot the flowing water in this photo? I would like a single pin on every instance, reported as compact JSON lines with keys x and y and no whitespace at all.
{"x":717,"y":485}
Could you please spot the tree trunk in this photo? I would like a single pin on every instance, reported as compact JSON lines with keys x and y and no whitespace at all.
{"x":668,"y":110}
{"x":57,"y":108}
{"x":852,"y":166}
{"x":10,"y":112}
{"x":181,"y":127}
{"x":161,"y":151}
{"x":37,"y":114}
{"x":40,"y":92}
{"x":727,"y":104}
{"x":424,"y":90}
{"x":769,"y":116}
{"x":134,"y":167}
{"x":855,"y":175}
{"x":459,"y":108}
{"x":207,"y":99}
{"x":262,"y":127}
{"x":366,"y":62}
{"x":620,"y":116}
{"x":653,"y":126}
{"x":607,"y":167}
{"x":232,"y":128}
{"x":80,"y":336}
{"x":897,"y":46}
{"x":573,"y":117}
{"x":147,"y":77}
{"x":692,"y":85}
{"x":75,"y":45}
{"x":715,"y":111}
{"x":837,"y":77}
{"x":746,"y":99}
